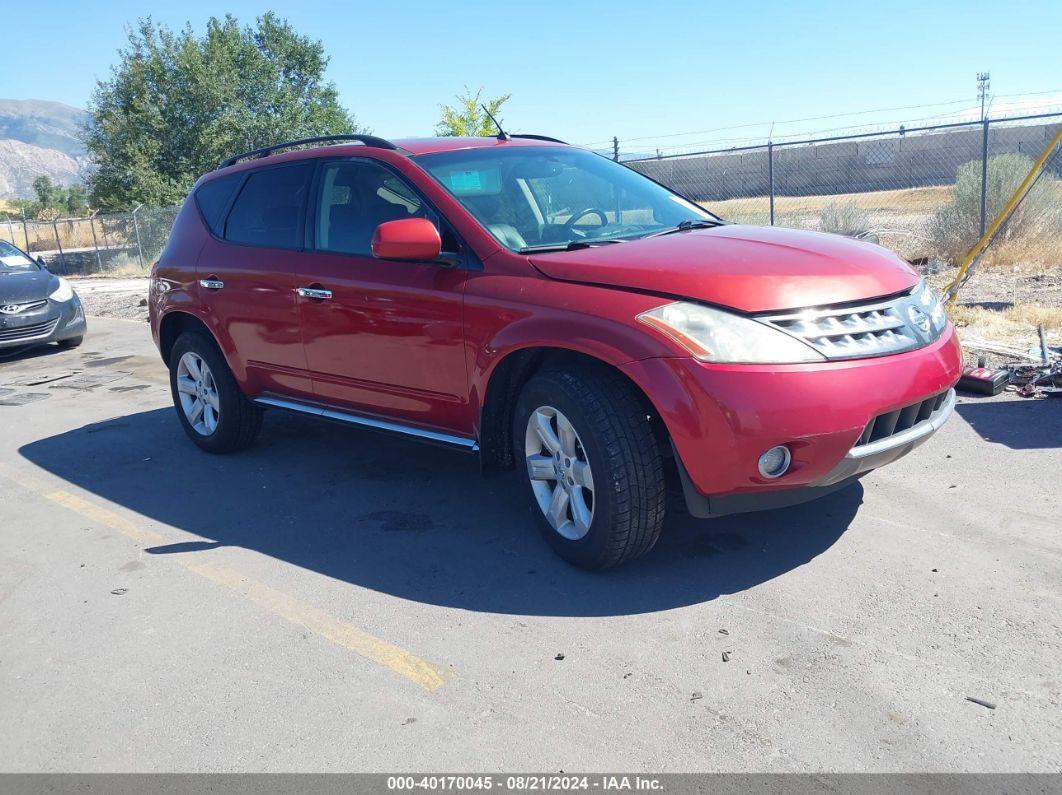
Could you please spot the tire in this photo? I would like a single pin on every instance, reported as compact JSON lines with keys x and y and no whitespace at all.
{"x":237,"y":420}
{"x":614,"y":437}
{"x":73,"y":342}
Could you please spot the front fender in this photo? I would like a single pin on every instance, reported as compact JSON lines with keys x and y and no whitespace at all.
{"x":507,"y":314}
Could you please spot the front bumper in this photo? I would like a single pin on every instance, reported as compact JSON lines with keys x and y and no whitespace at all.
{"x":721,"y":418}
{"x":51,"y":322}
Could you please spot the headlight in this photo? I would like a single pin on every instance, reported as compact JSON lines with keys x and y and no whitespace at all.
{"x":64,"y":292}
{"x":932,"y":305}
{"x":716,"y":336}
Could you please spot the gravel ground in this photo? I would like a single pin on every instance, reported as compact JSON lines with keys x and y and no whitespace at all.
{"x":106,"y":297}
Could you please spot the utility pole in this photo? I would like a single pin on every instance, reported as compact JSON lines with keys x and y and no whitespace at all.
{"x":982,"y":94}
{"x":615,"y":148}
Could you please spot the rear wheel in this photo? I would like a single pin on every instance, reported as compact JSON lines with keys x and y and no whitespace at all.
{"x":213,"y":411}
{"x":592,"y":465}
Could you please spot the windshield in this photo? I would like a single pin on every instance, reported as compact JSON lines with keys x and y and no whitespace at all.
{"x":14,"y":261}
{"x":532,"y":198}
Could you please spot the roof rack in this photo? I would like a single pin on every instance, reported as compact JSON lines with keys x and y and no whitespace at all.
{"x":538,"y":138}
{"x":368,"y":140}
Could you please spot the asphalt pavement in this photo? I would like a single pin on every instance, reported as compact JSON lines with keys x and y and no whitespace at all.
{"x":338,"y":600}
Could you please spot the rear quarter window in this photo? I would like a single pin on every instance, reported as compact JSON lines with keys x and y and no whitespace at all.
{"x":213,"y":197}
{"x":269,"y":209}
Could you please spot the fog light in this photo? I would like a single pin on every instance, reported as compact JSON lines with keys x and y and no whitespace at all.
{"x":775,"y":461}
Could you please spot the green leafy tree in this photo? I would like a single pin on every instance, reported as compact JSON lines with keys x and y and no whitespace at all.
{"x":178,"y":103}
{"x":467,"y":118}
{"x":53,"y":200}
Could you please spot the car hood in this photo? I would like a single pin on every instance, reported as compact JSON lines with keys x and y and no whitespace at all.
{"x":22,"y":287}
{"x":748,"y":268}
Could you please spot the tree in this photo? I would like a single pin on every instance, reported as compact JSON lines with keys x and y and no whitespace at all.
{"x":468,"y":118}
{"x":177,"y":104}
{"x":53,"y":200}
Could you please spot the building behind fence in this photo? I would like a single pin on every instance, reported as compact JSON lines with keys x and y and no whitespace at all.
{"x":899,"y":187}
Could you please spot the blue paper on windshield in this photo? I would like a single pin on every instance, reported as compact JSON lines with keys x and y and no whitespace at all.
{"x":475,"y":182}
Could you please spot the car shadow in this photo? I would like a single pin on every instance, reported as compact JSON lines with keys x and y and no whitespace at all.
{"x":414,"y":521}
{"x":1018,"y":424}
{"x":29,"y":352}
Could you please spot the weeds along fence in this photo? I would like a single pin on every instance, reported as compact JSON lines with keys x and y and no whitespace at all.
{"x":925,"y":192}
{"x":117,"y":244}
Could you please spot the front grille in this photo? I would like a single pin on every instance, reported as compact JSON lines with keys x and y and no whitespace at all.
{"x":14,"y":309}
{"x":894,"y":422}
{"x":851,"y":332}
{"x":28,"y":332}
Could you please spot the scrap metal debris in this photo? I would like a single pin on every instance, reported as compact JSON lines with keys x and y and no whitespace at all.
{"x":1036,"y":373}
{"x":981,"y":702}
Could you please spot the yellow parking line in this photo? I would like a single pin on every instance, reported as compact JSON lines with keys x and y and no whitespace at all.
{"x":397,"y":659}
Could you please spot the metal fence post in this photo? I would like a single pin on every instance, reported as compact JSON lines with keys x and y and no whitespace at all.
{"x":136,"y":228}
{"x":770,"y":176}
{"x":984,"y":174}
{"x":95,"y":244}
{"x":25,"y":231}
{"x":59,"y":245}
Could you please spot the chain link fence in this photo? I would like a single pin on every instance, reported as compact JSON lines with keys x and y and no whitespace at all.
{"x":117,"y":244}
{"x":924,"y":192}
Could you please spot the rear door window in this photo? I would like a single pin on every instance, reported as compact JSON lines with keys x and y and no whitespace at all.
{"x":269,"y":209}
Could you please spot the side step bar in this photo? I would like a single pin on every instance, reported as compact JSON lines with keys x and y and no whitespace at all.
{"x":436,"y":437}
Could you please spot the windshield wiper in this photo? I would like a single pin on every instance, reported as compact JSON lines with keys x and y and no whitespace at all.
{"x":689,"y":223}
{"x":572,"y":246}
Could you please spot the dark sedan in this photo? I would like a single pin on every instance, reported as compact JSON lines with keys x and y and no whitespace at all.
{"x":36,"y":307}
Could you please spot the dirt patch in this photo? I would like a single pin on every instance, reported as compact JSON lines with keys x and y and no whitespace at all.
{"x":108,"y":297}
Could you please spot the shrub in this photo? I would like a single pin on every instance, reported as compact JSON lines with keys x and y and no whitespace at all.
{"x":844,"y":219}
{"x":957,"y":226}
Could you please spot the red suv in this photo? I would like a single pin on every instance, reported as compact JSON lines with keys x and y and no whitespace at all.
{"x":554,"y":312}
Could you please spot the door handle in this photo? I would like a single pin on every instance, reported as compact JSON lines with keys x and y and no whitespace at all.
{"x":314,"y":292}
{"x":211,"y":284}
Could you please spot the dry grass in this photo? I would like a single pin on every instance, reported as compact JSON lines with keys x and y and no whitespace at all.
{"x":901,"y":220}
{"x":1015,"y":325}
{"x":894,"y":202}
{"x":72,"y":234}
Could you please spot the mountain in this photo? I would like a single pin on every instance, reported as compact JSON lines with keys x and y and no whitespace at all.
{"x":51,"y":125}
{"x":39,"y":137}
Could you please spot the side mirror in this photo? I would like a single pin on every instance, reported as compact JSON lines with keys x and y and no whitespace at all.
{"x":42,"y":263}
{"x":407,"y":239}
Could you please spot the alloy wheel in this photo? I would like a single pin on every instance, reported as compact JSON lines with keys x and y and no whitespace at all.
{"x":560,"y":474}
{"x":198,"y":393}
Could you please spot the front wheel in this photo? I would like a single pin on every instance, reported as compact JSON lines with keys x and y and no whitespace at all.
{"x":213,"y":411}
{"x":593,"y":465}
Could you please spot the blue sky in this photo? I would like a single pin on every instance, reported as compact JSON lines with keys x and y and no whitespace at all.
{"x":585,"y":71}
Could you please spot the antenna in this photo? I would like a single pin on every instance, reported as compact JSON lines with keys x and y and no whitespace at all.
{"x":502,"y":135}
